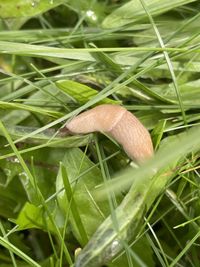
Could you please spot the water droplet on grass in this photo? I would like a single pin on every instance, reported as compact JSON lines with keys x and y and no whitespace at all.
{"x":34,"y":3}
{"x":114,"y":246}
{"x":91,"y":15}
{"x":24,"y":178}
{"x":15,"y":160}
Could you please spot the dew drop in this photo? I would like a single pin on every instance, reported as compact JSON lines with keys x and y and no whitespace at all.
{"x":91,"y":15}
{"x":114,"y":246}
{"x":34,"y":3}
{"x":24,"y":178}
{"x":15,"y":160}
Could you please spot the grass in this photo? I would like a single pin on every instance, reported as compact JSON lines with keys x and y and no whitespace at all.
{"x":79,"y":200}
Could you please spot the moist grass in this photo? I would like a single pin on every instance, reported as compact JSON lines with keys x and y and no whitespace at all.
{"x":78,"y":200}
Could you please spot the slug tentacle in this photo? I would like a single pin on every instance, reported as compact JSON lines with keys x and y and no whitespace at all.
{"x":120,"y":124}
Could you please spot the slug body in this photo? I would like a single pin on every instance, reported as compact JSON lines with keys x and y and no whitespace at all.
{"x":119,"y":124}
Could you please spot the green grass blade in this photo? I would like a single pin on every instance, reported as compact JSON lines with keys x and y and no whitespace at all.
{"x":6,"y":244}
{"x":187,"y":247}
{"x":167,"y":60}
{"x":73,"y":206}
{"x":42,"y":111}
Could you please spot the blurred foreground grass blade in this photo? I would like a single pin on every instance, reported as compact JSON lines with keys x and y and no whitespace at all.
{"x":28,"y":8}
{"x":133,"y":11}
{"x":106,"y":242}
{"x":6,"y":244}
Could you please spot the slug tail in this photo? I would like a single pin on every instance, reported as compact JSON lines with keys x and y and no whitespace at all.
{"x":134,"y":137}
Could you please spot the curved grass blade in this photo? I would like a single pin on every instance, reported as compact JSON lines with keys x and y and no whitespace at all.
{"x":107,"y":241}
{"x":6,"y":244}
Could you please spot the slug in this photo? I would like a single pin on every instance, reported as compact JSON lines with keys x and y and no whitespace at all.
{"x":119,"y":124}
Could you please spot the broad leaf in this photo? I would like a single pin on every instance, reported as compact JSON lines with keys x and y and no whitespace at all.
{"x":80,"y":92}
{"x":84,"y":177}
{"x":133,"y":11}
{"x":28,"y":8}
